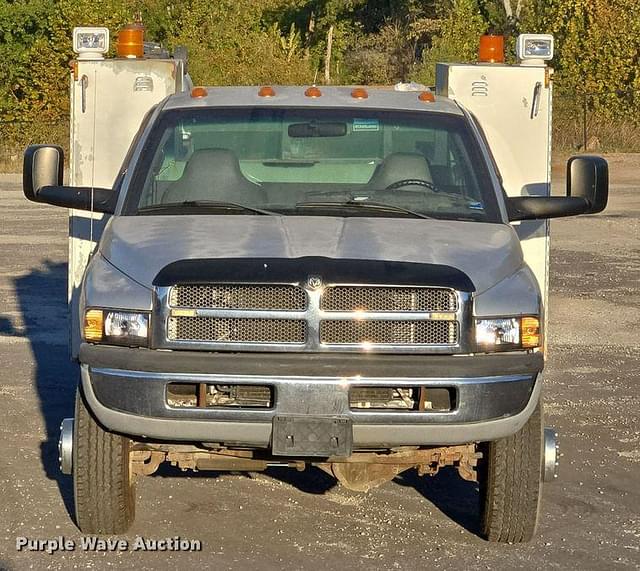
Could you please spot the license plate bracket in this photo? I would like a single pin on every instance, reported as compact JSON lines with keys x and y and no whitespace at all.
{"x":303,"y":435}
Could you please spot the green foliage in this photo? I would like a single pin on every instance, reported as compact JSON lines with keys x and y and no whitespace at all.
{"x":35,"y":48}
{"x":606,"y":36}
{"x":285,"y":41}
{"x":456,"y":39}
{"x":228,"y":44}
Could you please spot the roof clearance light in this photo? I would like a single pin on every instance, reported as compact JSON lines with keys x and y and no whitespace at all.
{"x":427,"y":97}
{"x":313,"y":91}
{"x":534,"y":47}
{"x":359,"y":93}
{"x":266,"y":91}
{"x":491,"y":49}
{"x":199,"y":92}
{"x":90,"y":43}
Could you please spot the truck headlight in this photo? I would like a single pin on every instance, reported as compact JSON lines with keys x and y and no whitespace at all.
{"x":507,"y":333}
{"x":115,"y":327}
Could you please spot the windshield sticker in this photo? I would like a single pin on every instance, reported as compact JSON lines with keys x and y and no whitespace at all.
{"x":365,"y":125}
{"x":476,"y":205}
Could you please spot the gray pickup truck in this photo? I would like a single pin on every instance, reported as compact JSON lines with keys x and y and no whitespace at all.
{"x":310,"y":277}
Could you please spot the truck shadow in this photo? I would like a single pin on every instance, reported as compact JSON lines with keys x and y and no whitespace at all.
{"x":42,"y":296}
{"x":456,"y":498}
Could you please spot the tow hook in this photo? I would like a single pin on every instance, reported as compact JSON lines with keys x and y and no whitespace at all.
{"x":65,"y":446}
{"x":551,"y":454}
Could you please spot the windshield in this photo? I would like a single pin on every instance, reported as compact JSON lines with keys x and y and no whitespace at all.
{"x":319,"y":162}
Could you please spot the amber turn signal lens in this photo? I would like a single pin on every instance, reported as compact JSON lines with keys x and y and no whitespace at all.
{"x":93,"y":325}
{"x":530,"y":332}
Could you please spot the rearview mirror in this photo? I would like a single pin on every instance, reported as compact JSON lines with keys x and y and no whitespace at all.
{"x":587,"y":193}
{"x":317,"y":129}
{"x":42,"y":181}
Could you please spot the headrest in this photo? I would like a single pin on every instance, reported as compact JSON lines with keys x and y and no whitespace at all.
{"x":400,"y":166}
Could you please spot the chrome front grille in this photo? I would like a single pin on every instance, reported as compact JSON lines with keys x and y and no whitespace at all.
{"x":289,"y":317}
{"x":345,"y":332}
{"x":239,"y":296}
{"x":237,"y":330}
{"x":375,"y":299}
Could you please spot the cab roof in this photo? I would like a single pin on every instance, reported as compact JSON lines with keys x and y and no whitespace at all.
{"x":379,"y":98}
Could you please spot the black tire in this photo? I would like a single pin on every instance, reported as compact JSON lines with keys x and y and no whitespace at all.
{"x":103,"y":486}
{"x":511,"y":483}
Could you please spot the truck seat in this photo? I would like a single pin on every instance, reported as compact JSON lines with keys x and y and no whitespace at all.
{"x":213,"y":174}
{"x":400,"y":166}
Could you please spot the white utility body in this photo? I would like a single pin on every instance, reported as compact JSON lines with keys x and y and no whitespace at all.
{"x":109,"y":100}
{"x":513,"y":104}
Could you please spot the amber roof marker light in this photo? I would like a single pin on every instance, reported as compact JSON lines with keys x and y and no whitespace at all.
{"x":313,"y":91}
{"x":427,"y":97}
{"x":198,"y":92}
{"x":359,"y":93}
{"x":491,"y":49}
{"x":266,"y":91}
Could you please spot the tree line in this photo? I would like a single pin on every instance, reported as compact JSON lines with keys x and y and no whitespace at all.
{"x":323,"y":41}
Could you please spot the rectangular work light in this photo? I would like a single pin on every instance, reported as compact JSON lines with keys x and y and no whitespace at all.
{"x":534,"y":47}
{"x":90,"y":43}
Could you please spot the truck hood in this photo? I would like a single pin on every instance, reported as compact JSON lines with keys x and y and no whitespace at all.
{"x":140,"y":246}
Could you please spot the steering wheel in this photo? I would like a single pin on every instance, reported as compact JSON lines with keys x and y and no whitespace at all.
{"x":412,"y":182}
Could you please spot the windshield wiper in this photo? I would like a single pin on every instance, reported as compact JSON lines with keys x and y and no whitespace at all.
{"x":364,"y":204}
{"x":204,"y":204}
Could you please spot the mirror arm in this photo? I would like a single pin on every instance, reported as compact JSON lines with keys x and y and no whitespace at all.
{"x":104,"y":200}
{"x":541,"y":207}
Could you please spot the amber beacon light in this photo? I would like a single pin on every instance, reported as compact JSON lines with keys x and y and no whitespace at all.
{"x":131,"y":41}
{"x":491,"y":49}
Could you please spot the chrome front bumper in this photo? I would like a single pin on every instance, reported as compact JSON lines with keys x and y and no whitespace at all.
{"x":487,"y":407}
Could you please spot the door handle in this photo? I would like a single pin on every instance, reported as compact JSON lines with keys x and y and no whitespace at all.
{"x":84,"y":83}
{"x":535,"y":104}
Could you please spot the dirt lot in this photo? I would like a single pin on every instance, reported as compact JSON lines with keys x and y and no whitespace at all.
{"x":591,"y":516}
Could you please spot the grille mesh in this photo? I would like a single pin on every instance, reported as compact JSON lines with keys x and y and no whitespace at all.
{"x":367,"y":298}
{"x":342,"y":332}
{"x":237,"y":330}
{"x":232,"y":296}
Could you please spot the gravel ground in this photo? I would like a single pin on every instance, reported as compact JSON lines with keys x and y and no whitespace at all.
{"x":590,"y":516}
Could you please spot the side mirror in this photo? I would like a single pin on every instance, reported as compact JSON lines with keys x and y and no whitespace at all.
{"x":588,"y":178}
{"x":43,"y":166}
{"x":587,"y":193}
{"x":42,"y":181}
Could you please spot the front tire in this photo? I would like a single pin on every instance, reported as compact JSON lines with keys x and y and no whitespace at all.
{"x":511,"y":483}
{"x":104,"y":489}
